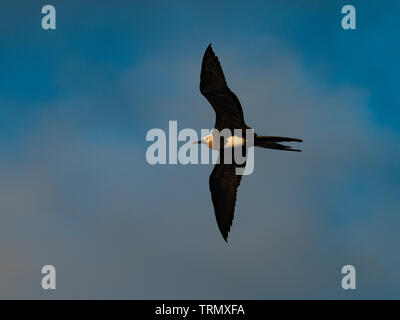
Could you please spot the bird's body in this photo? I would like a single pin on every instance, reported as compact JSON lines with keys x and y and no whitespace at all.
{"x":230,"y":142}
{"x":229,"y":116}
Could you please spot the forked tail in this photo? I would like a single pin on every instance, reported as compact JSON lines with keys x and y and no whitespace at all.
{"x":272,"y":142}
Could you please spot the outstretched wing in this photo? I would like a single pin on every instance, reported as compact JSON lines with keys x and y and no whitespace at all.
{"x":224,"y":183}
{"x":229,"y":113}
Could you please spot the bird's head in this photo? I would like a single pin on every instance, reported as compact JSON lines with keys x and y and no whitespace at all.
{"x":207,"y":140}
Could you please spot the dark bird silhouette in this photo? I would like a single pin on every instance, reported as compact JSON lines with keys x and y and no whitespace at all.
{"x":224,"y":181}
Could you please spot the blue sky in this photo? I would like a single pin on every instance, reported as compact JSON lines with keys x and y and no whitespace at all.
{"x":76,"y":190}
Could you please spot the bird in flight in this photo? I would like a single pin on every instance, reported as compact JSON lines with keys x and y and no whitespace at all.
{"x":224,"y":180}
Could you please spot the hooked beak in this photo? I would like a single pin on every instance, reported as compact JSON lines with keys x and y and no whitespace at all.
{"x":194,"y":142}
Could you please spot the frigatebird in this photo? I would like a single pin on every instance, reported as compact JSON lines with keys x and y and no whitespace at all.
{"x":224,"y":180}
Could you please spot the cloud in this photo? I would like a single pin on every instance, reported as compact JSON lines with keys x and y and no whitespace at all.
{"x":79,"y":194}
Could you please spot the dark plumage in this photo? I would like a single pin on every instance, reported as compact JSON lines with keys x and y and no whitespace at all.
{"x":224,"y":181}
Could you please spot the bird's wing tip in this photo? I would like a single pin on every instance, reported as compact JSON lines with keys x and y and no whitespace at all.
{"x":210,"y":48}
{"x":225,"y":235}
